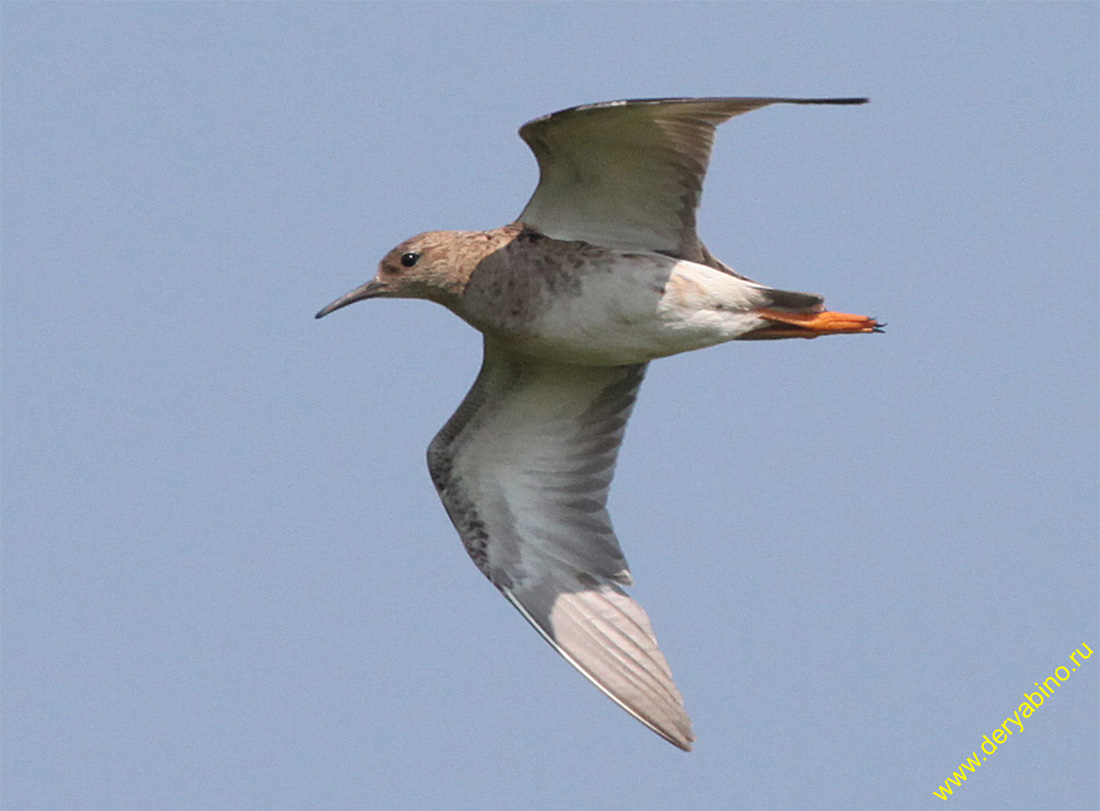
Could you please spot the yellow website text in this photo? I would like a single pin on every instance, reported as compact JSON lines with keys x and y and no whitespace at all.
{"x":1013,"y":723}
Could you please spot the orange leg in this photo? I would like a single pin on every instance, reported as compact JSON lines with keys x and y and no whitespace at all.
{"x":810,"y":325}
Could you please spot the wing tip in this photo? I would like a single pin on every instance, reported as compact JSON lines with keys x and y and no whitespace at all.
{"x":845,"y":100}
{"x":597,"y":105}
{"x":677,"y":729}
{"x":683,"y":739}
{"x":685,"y":745}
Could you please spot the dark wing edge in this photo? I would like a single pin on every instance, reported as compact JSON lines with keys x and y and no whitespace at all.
{"x":756,"y":102}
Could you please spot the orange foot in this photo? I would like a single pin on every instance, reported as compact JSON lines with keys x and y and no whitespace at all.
{"x":810,"y":325}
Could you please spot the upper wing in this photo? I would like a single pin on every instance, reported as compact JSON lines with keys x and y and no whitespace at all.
{"x":628,"y":174}
{"x":523,"y":468}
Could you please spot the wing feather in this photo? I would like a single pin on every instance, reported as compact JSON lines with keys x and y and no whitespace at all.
{"x":629,"y":174}
{"x":523,"y":468}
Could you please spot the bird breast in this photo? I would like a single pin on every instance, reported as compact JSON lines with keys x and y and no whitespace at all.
{"x":574,"y":302}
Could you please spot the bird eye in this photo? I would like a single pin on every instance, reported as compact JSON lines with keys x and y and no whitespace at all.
{"x":409,"y":259}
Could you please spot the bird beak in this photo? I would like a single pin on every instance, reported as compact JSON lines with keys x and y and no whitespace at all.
{"x":371,"y":289}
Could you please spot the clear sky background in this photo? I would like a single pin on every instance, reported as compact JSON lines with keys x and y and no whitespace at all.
{"x":227,"y":580}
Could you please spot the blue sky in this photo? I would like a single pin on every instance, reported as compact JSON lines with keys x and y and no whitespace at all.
{"x":227,"y":580}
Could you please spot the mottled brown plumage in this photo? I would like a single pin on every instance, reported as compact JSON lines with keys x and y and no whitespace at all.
{"x":601,"y":273}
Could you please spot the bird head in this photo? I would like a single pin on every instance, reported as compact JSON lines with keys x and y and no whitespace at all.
{"x":426,"y":266}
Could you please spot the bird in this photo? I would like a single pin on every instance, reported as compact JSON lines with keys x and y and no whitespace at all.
{"x":601,"y":273}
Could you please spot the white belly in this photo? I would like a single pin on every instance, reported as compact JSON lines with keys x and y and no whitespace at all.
{"x":642,"y":307}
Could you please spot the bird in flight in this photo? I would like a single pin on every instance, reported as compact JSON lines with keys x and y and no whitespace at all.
{"x":601,"y":273}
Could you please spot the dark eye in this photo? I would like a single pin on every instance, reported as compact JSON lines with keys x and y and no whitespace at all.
{"x":409,"y":259}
